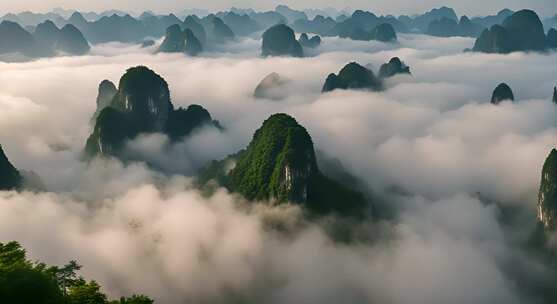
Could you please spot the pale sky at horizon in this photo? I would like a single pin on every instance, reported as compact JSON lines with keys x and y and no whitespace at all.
{"x":395,"y":7}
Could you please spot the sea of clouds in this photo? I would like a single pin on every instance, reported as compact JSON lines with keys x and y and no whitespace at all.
{"x":430,"y":147}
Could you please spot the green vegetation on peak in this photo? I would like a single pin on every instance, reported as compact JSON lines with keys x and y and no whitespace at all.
{"x":352,"y":76}
{"x":141,"y":105}
{"x":279,"y":165}
{"x":182,"y":122}
{"x":280,"y":150}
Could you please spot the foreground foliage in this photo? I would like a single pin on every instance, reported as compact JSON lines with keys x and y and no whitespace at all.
{"x":25,"y":282}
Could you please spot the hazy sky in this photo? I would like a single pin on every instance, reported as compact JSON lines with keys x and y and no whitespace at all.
{"x":470,"y":7}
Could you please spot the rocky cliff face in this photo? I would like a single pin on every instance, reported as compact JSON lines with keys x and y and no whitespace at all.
{"x":393,"y":67}
{"x":281,"y":154}
{"x":107,"y":91}
{"x":502,"y":92}
{"x":547,"y":198}
{"x":279,"y":165}
{"x":280,"y":40}
{"x":141,"y":105}
{"x":10,"y":178}
{"x":145,"y":96}
{"x":352,"y":76}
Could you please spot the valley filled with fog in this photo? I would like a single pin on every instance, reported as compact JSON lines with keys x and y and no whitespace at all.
{"x":453,"y":178}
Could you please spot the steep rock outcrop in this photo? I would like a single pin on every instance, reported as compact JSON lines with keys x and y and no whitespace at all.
{"x":141,"y":105}
{"x":68,"y":40}
{"x":290,"y":14}
{"x":467,"y":28}
{"x":107,"y":91}
{"x":220,"y":32}
{"x":502,"y":92}
{"x":194,"y":24}
{"x":71,"y":41}
{"x":279,"y":165}
{"x":384,"y":32}
{"x":15,"y":39}
{"x":47,"y":33}
{"x":523,"y":31}
{"x":280,"y":40}
{"x":494,"y":40}
{"x":447,"y":27}
{"x":174,"y":40}
{"x":421,"y":22}
{"x":240,"y":24}
{"x":178,"y":41}
{"x":312,"y":42}
{"x":443,"y":27}
{"x":10,"y":178}
{"x":320,"y":25}
{"x":552,"y":38}
{"x":393,"y":67}
{"x":547,"y":197}
{"x":352,"y":76}
{"x":271,"y":87}
{"x":193,"y":45}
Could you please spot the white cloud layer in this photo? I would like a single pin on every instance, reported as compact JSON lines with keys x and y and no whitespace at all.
{"x":433,"y":136}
